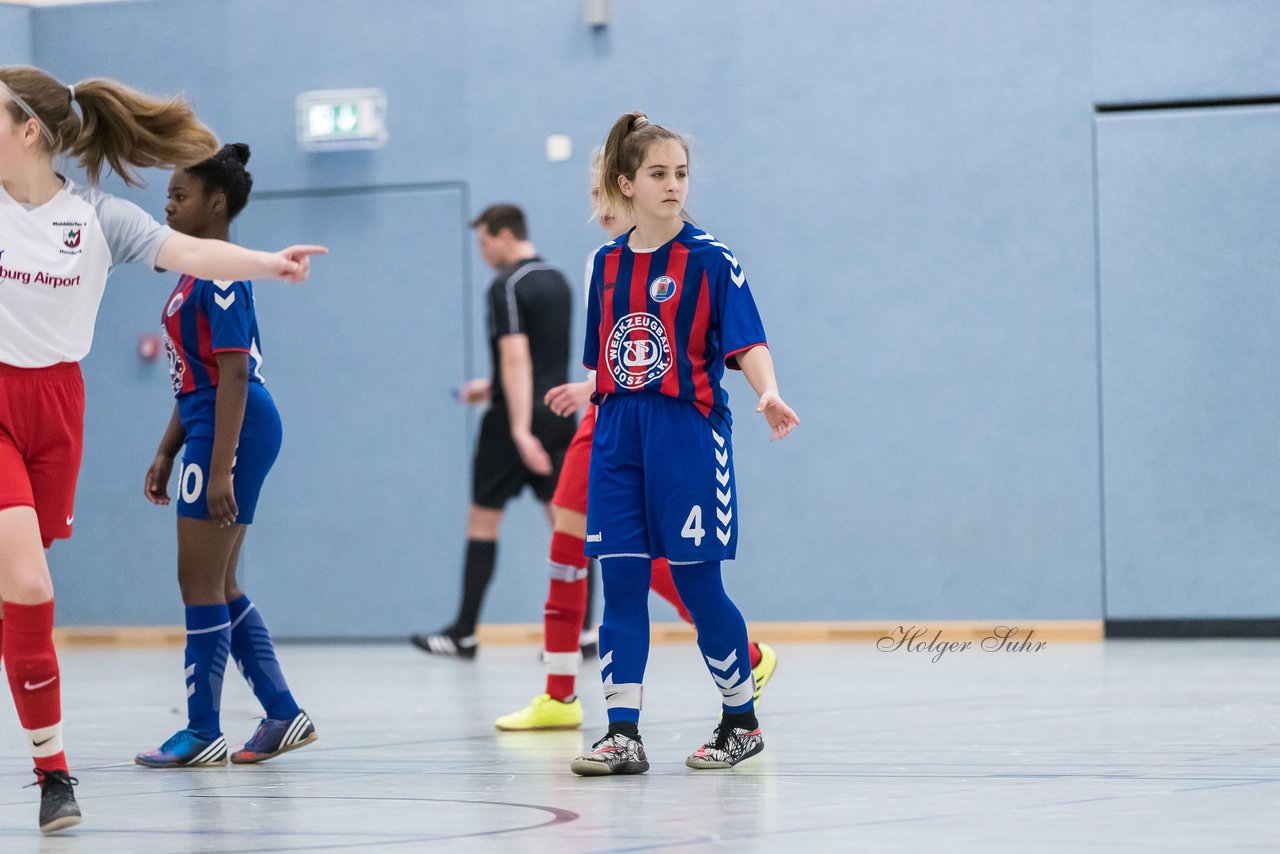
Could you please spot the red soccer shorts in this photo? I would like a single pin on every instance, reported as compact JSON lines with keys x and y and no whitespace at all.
{"x":41,"y":431}
{"x":571,"y":490}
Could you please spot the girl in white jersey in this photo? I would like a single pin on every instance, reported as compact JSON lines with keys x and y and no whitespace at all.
{"x":58,"y":243}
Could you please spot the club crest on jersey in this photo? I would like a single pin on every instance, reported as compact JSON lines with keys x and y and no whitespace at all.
{"x":177,"y":367}
{"x":639,"y":351}
{"x":71,"y":238}
{"x":662,"y":289}
{"x":175,"y":304}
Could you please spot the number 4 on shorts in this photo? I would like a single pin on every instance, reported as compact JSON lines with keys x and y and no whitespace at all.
{"x":692,"y":529}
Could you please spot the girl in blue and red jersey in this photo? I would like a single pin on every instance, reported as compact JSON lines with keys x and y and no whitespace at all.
{"x":669,"y":310}
{"x":231,"y":431}
{"x":567,"y":598}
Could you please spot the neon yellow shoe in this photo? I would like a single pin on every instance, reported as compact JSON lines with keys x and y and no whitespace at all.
{"x":543,"y":713}
{"x":763,"y":671}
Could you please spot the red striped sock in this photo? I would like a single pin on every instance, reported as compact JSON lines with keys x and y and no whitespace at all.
{"x":565,"y":609}
{"x":32,"y":667}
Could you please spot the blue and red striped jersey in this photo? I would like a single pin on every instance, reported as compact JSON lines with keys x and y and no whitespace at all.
{"x":203,"y":318}
{"x":670,"y":320}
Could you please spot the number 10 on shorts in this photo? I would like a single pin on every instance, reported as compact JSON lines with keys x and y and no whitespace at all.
{"x":190,"y":483}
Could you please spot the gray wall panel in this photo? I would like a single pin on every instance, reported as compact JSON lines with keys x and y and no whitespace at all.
{"x":1190,"y":308}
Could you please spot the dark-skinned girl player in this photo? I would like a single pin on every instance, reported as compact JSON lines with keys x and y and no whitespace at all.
{"x":228,"y":423}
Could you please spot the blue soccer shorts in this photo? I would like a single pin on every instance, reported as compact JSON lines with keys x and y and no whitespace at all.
{"x":260,"y":437}
{"x":661,"y":482}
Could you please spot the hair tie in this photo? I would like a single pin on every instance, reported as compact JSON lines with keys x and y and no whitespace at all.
{"x":71,"y":90}
{"x":641,"y":121}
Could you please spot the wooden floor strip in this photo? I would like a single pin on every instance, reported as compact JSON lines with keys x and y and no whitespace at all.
{"x":923,"y":631}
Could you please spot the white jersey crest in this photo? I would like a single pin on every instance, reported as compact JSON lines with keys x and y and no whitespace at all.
{"x":54,"y":263}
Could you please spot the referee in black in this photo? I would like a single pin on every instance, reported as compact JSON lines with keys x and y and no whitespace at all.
{"x":522,"y":442}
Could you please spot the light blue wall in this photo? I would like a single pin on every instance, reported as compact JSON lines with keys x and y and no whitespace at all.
{"x":909,"y":186}
{"x":15,"y":35}
{"x":1188,"y":310}
{"x":1172,"y":50}
{"x":1189,"y":203}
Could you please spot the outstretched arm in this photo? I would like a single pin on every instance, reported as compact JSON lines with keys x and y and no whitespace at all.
{"x":217,"y":259}
{"x":757,"y":367}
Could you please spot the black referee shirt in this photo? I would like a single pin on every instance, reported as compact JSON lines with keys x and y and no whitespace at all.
{"x":532,"y":298}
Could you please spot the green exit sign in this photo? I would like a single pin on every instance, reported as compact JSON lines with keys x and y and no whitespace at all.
{"x":341,"y":119}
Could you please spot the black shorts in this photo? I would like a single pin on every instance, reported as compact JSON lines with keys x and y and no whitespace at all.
{"x":499,"y":475}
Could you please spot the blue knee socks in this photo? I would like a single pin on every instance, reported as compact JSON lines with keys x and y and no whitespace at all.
{"x":624,"y":635}
{"x":722,"y":633}
{"x":208,"y":637}
{"x":255,"y":655}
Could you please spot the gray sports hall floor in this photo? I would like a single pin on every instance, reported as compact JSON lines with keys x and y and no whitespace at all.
{"x":1123,"y":746}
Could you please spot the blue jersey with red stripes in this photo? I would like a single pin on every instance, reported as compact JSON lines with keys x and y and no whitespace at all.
{"x":670,"y":320}
{"x":203,"y":318}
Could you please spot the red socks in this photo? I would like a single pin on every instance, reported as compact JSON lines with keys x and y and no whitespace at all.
{"x":562,"y":617}
{"x":32,"y":667}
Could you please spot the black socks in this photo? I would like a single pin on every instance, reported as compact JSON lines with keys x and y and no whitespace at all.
{"x":477,"y":571}
{"x":627,"y":728}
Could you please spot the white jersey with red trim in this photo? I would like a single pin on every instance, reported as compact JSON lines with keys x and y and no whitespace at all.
{"x":54,"y":263}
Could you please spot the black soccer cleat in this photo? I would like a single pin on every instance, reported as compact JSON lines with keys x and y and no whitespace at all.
{"x":446,"y":643}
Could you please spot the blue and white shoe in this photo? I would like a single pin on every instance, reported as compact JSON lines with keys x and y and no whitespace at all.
{"x":186,"y":749}
{"x":274,"y":737}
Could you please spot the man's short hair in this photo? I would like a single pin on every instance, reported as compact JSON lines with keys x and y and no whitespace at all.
{"x":497,"y":217}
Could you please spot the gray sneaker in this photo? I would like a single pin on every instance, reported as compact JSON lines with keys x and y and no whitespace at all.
{"x":613,"y":754}
{"x":58,"y":807}
{"x":728,"y":746}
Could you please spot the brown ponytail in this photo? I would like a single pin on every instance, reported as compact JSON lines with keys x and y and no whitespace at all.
{"x":121,"y":127}
{"x":624,"y":150}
